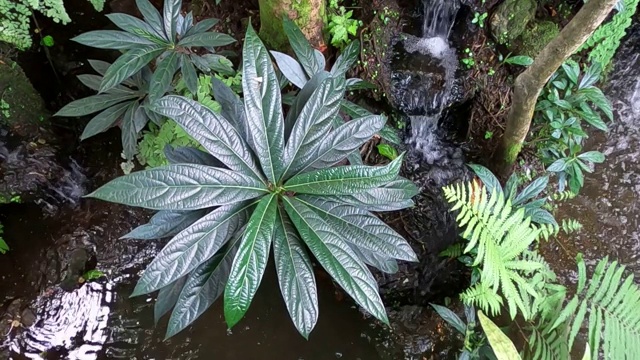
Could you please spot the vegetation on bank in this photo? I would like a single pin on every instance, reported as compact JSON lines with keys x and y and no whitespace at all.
{"x":266,"y":155}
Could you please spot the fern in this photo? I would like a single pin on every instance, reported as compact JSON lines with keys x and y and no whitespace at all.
{"x":563,"y":196}
{"x":568,"y":226}
{"x":502,"y":238}
{"x":454,"y":251}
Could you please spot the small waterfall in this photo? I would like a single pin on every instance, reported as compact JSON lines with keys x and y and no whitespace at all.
{"x":438,"y":16}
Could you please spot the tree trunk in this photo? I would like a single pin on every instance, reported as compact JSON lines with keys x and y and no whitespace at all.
{"x":529,"y":84}
{"x":309,"y":15}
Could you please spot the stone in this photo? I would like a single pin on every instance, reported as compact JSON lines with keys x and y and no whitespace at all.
{"x":511,"y":18}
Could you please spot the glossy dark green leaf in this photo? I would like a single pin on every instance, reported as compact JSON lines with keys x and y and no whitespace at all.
{"x":489,"y":180}
{"x":320,"y":60}
{"x":359,"y":84}
{"x":214,"y":62}
{"x":597,"y":97}
{"x":591,"y":76}
{"x":353,"y":110}
{"x":128,"y":132}
{"x":91,"y":104}
{"x":532,"y":190}
{"x":301,"y":100}
{"x":343,"y":141}
{"x":201,"y":26}
{"x":451,"y":318}
{"x":361,"y":228}
{"x":133,"y":25}
{"x":189,"y":74}
{"x":290,"y":68}
{"x":313,"y":125}
{"x":301,"y":47}
{"x":99,"y":66}
{"x":184,"y":24}
{"x":295,"y":275}
{"x":347,"y":58}
{"x":165,"y":223}
{"x":232,"y":108}
{"x":170,"y":13}
{"x":189,"y":155}
{"x":511,"y":187}
{"x":211,"y":130}
{"x":163,"y":76}
{"x":111,"y":39}
{"x":593,"y":156}
{"x":387,"y":151}
{"x":336,"y":257}
{"x":263,"y":106}
{"x":203,"y":287}
{"x":181,"y":187}
{"x":167,"y":298}
{"x":151,"y":16}
{"x":395,"y":195}
{"x":572,"y":69}
{"x":213,"y":39}
{"x":522,"y":60}
{"x":192,"y":246}
{"x":557,"y":166}
{"x":390,"y":135}
{"x":540,"y":216}
{"x":250,"y":261}
{"x":344,"y":180}
{"x":382,"y":263}
{"x":93,"y":82}
{"x":128,"y":64}
{"x":105,"y":120}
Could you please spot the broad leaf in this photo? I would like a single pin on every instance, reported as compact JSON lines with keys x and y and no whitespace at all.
{"x":502,"y":346}
{"x":91,"y":104}
{"x":151,"y":16}
{"x":129,"y":132}
{"x":353,"y":110}
{"x":163,"y":76}
{"x":250,"y":261}
{"x":93,"y":82}
{"x":290,"y":68}
{"x":133,"y":25}
{"x":572,"y":69}
{"x":232,"y":108}
{"x":190,"y":155}
{"x":361,"y":228}
{"x":295,"y":275}
{"x":170,"y":14}
{"x":301,"y":100}
{"x":337,"y":258}
{"x":301,"y":47}
{"x":598,"y":98}
{"x":593,"y":156}
{"x":105,"y":120}
{"x":395,"y":195}
{"x":451,"y":318}
{"x":489,"y":180}
{"x":128,"y":64}
{"x":202,"y":288}
{"x":522,"y":60}
{"x":111,"y":39}
{"x":215,"y":62}
{"x":263,"y":106}
{"x":167,"y":298}
{"x":344,"y":180}
{"x":347,"y":58}
{"x":181,"y":187}
{"x":558,"y":166}
{"x":382,"y":263}
{"x":532,"y":190}
{"x":164,"y":224}
{"x":207,"y":39}
{"x":591,"y":76}
{"x":192,"y":246}
{"x":211,"y":130}
{"x":313,"y":124}
{"x":201,"y":26}
{"x":189,"y":74}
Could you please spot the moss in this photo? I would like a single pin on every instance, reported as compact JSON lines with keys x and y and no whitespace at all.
{"x":536,"y":37}
{"x":511,"y":154}
{"x":511,"y":18}
{"x":309,"y":15}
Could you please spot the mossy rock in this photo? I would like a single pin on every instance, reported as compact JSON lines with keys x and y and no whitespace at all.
{"x":536,"y":37}
{"x":510,"y":19}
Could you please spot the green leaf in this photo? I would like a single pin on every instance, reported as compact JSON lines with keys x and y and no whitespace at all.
{"x":593,"y":156}
{"x":212,"y":39}
{"x":313,"y":125}
{"x":92,"y":104}
{"x":532,"y":190}
{"x":170,"y":14}
{"x":203,"y":287}
{"x":519,"y":60}
{"x":192,"y":246}
{"x":382,"y":263}
{"x":151,"y":16}
{"x":558,"y":166}
{"x":99,"y":66}
{"x":395,"y":195}
{"x":353,"y":110}
{"x":111,"y":39}
{"x":361,"y":228}
{"x":344,"y":180}
{"x":295,"y":275}
{"x":343,"y":141}
{"x":190,"y":155}
{"x":215,"y":62}
{"x":337,"y":258}
{"x":387,"y":151}
{"x":591,"y":76}
{"x":133,"y":25}
{"x":301,"y":47}
{"x":163,"y":76}
{"x":128,"y":131}
{"x":201,"y":26}
{"x":301,"y":100}
{"x":390,"y":135}
{"x":290,"y":68}
{"x":489,"y":180}
{"x":598,"y":98}
{"x":250,"y":261}
{"x":212,"y":131}
{"x":347,"y":58}
{"x":189,"y":74}
{"x":128,"y":64}
{"x":232,"y":108}
{"x":164,"y":224}
{"x":500,"y":343}
{"x":451,"y":318}
{"x":572,"y":70}
{"x":263,"y":106}
{"x":105,"y":120}
{"x":167,"y":298}
{"x":181,"y":187}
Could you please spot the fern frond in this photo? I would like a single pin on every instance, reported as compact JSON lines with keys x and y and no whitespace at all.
{"x":563,"y":196}
{"x":453,"y":252}
{"x":481,"y":296}
{"x":567,"y":226}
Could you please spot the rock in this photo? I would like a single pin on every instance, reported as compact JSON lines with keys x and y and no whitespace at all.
{"x":537,"y":35}
{"x":510,"y":19}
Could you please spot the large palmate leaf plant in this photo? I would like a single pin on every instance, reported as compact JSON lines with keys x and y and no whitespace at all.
{"x":265,"y":185}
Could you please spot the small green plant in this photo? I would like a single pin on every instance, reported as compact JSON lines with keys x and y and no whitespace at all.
{"x":157,"y":138}
{"x":341,"y":24}
{"x":92,"y":275}
{"x":488,"y":135}
{"x":475,"y":343}
{"x":491,"y":71}
{"x":48,"y":41}
{"x":277,"y":187}
{"x":388,"y":151}
{"x":570,"y":100}
{"x":521,"y":60}
{"x":3,"y":245}
{"x":479,"y":19}
{"x":5,"y":108}
{"x":503,"y":347}
{"x":468,"y":61}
